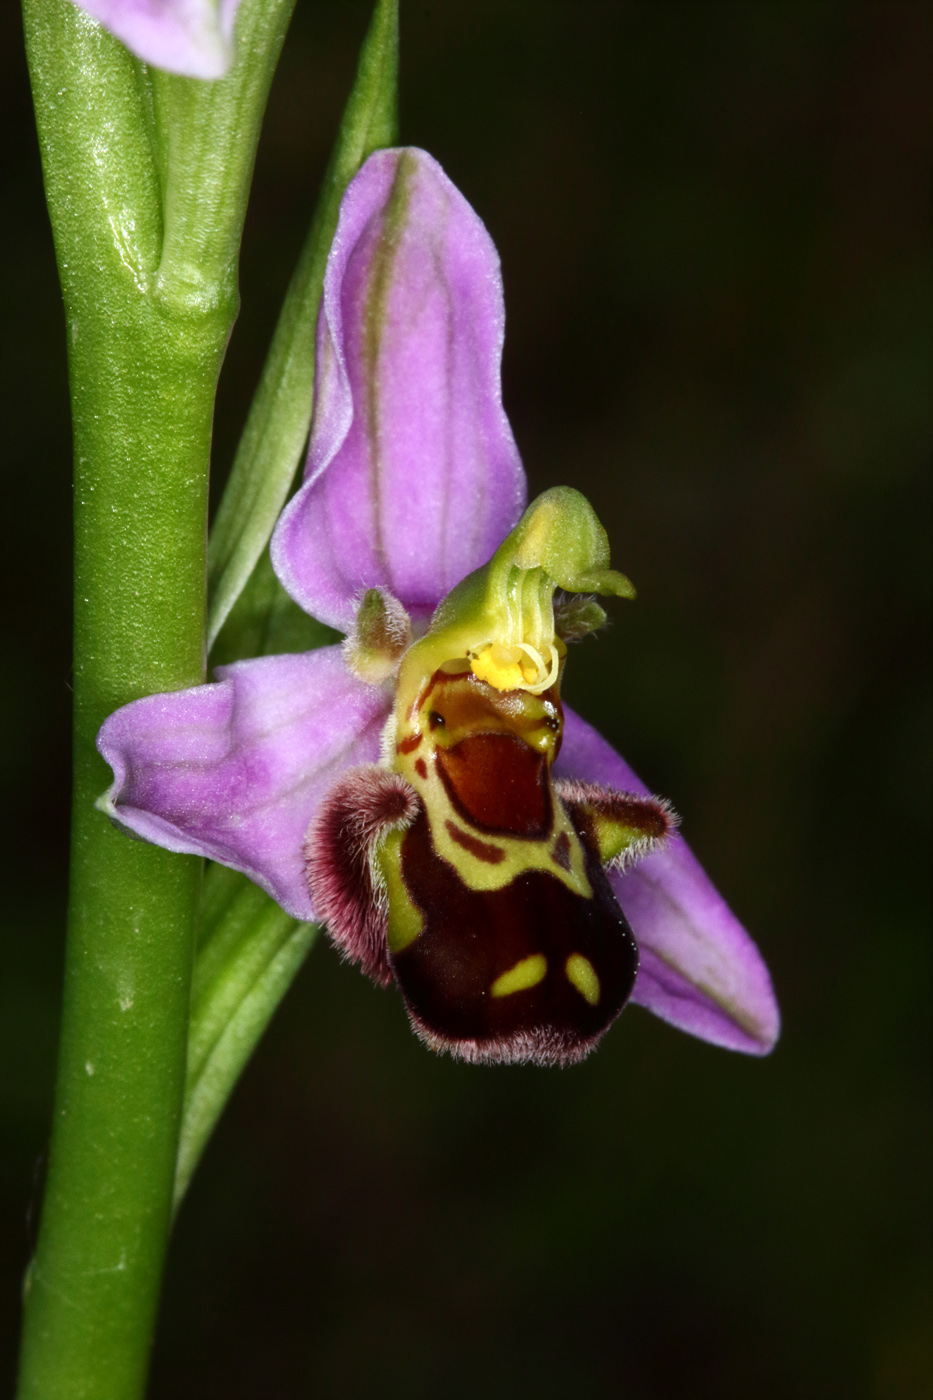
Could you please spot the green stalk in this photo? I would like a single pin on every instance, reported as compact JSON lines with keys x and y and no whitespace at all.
{"x":150,"y":298}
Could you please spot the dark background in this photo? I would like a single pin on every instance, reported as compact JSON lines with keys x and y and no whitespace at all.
{"x":712,"y":221}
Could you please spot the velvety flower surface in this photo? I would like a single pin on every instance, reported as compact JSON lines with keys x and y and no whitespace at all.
{"x":190,"y":37}
{"x":412,"y":483}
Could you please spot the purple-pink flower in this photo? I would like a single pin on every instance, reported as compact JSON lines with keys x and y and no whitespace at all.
{"x":412,"y":482}
{"x":190,"y":37}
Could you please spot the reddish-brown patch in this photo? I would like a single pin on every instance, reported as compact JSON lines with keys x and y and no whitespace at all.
{"x":421,"y":768}
{"x":560,"y":851}
{"x":481,"y":849}
{"x":652,"y":817}
{"x":421,"y":700}
{"x":499,"y":783}
{"x":465,"y":704}
{"x":408,"y":745}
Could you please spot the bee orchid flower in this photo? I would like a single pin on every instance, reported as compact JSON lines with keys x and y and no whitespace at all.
{"x":420,"y":788}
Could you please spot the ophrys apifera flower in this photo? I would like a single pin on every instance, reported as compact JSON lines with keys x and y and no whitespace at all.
{"x":421,"y":788}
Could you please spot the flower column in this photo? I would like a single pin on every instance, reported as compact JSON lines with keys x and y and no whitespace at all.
{"x":147,"y":176}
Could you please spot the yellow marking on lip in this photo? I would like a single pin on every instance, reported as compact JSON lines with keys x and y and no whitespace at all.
{"x":405,"y":919}
{"x":582,"y":974}
{"x":527,"y":973}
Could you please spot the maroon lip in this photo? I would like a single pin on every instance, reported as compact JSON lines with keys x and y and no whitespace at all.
{"x":499,"y":784}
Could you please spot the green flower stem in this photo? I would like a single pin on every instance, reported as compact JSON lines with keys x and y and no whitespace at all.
{"x":150,"y":299}
{"x":278,"y":422}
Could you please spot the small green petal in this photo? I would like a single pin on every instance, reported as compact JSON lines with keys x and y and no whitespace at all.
{"x":561,"y":534}
{"x":501,"y":617}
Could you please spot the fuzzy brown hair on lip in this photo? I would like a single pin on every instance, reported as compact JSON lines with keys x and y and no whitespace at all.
{"x":357,"y":814}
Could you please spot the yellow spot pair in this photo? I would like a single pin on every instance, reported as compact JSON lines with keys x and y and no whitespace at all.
{"x":530,"y":971}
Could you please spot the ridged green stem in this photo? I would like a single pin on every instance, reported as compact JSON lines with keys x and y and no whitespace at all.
{"x":147,"y":221}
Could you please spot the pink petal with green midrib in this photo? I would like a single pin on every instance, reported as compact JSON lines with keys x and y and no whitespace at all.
{"x":699,"y":969}
{"x":413,"y":477}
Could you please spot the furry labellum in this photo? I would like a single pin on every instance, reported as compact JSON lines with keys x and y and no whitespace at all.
{"x":504,"y":935}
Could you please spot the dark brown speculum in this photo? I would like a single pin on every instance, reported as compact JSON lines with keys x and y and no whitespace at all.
{"x":521,"y":946}
{"x":472,"y":938}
